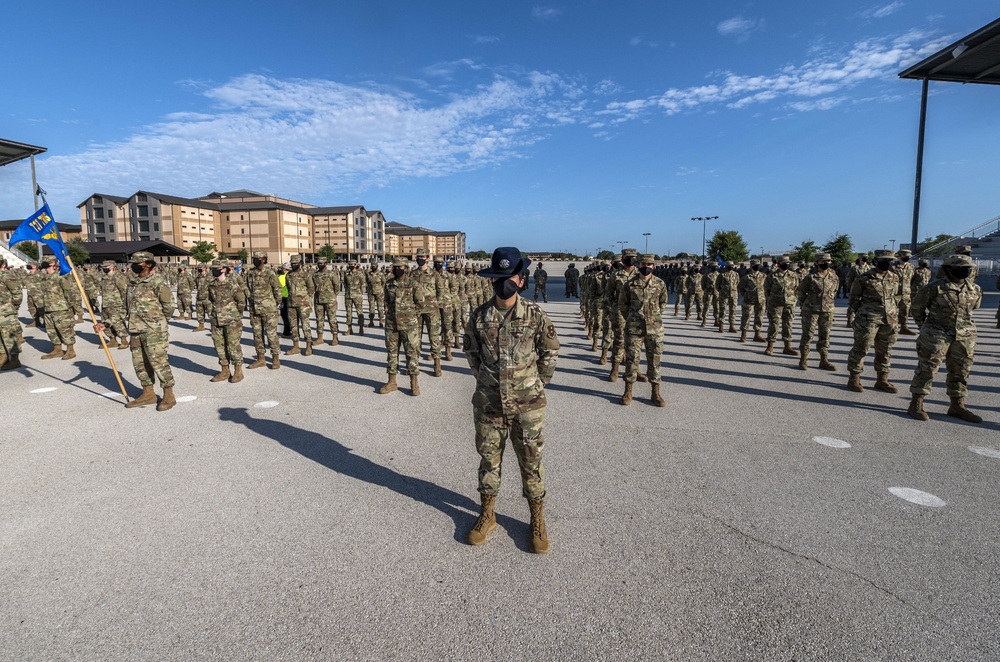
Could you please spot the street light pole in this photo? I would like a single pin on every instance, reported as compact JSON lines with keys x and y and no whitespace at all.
{"x":646,"y":235}
{"x":704,"y":222}
{"x":893,"y":245}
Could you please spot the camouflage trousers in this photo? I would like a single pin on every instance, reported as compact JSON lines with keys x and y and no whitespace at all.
{"x":149,"y":357}
{"x":298,"y":317}
{"x":607,"y":329}
{"x":431,"y":320}
{"x":184,"y":303}
{"x":727,"y":304}
{"x":882,"y":335}
{"x":571,"y":289}
{"x":653,"y":343}
{"x":457,"y":323}
{"x":903,"y":307}
{"x":226,"y":338}
{"x":265,"y":326}
{"x":446,"y":321}
{"x":525,"y":434}
{"x":780,"y":315}
{"x":810,"y":322}
{"x":540,"y":289}
{"x":710,"y":302}
{"x":935,"y":346}
{"x":114,"y":319}
{"x":32,"y":308}
{"x":618,"y":337}
{"x":350,"y":306}
{"x":595,"y":319}
{"x":696,"y":300}
{"x":202,"y":310}
{"x":60,"y":326}
{"x":10,"y":331}
{"x":755,"y":309}
{"x":376,"y":304}
{"x":410,"y":339}
{"x":677,"y":302}
{"x":326,"y":316}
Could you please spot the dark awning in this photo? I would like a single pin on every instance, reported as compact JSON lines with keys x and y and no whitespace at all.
{"x":120,"y":250}
{"x":974,"y":58}
{"x":11,"y":151}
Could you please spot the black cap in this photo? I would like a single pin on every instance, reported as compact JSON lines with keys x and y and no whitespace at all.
{"x":506,"y":262}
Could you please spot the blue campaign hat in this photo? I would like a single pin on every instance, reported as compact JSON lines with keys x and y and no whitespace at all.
{"x":506,"y":262}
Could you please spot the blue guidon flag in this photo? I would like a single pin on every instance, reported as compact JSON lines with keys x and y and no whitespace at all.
{"x":41,"y":227}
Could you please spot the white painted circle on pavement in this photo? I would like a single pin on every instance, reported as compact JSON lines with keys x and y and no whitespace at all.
{"x":187,"y":398}
{"x":831,"y":442}
{"x":988,"y":452}
{"x":267,"y":404}
{"x":917,"y":497}
{"x":44,"y":390}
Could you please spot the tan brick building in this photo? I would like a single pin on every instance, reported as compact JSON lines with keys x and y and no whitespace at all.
{"x":405,"y":240}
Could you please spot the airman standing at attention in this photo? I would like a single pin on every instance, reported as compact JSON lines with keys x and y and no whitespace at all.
{"x":754,"y":297}
{"x":36,"y":307}
{"x":354,"y":291}
{"x":90,"y":288}
{"x":572,"y":276}
{"x":921,"y":277}
{"x":375,"y":279}
{"x":62,"y":304}
{"x":779,"y":288}
{"x":444,"y":306}
{"x":695,"y":294}
{"x":300,"y":296}
{"x":430,"y":314}
{"x":641,"y":302}
{"x":709,"y":300}
{"x":943,"y":311}
{"x":613,"y":313}
{"x":403,"y":300}
{"x":904,"y":270}
{"x":541,"y":278}
{"x":264,"y":298}
{"x":455,"y":286}
{"x":873,"y":300}
{"x":326,"y":285}
{"x":228,"y":300}
{"x":112,"y":290}
{"x":202,"y":306}
{"x":859,"y":268}
{"x":728,"y":285}
{"x":11,"y":294}
{"x":680,"y":291}
{"x":185,"y":285}
{"x":818,"y":293}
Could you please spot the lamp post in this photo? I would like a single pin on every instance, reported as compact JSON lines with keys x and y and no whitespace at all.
{"x":704,"y":222}
{"x":646,"y":235}
{"x":622,"y":245}
{"x":893,"y":245}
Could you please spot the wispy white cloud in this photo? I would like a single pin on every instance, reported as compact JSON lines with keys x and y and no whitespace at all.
{"x":740,"y":27}
{"x":448,"y":69}
{"x":881,"y":11}
{"x":816,"y":84}
{"x":639,"y":41}
{"x":545,"y":13}
{"x":485,"y":39}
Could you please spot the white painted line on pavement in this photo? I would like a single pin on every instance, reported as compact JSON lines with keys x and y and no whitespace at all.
{"x":267,"y":404}
{"x":110,"y":396}
{"x":45,"y":390}
{"x":187,"y":398}
{"x":831,"y":442}
{"x":988,"y":452}
{"x":917,"y":497}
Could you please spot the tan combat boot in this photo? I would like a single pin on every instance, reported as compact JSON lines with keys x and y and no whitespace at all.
{"x":335,"y":341}
{"x":447,"y":353}
{"x":770,"y":348}
{"x":824,"y":362}
{"x":200,"y":327}
{"x":627,"y":395}
{"x":916,"y":408}
{"x":222,"y":375}
{"x":640,"y":377}
{"x":294,"y":349}
{"x":390,"y":385}
{"x":882,"y":383}
{"x":237,"y":374}
{"x":275,"y":360}
{"x":361,"y":328}
{"x":123,"y":343}
{"x":593,"y":345}
{"x":148,"y":397}
{"x":70,"y":353}
{"x":604,"y":356}
{"x":788,"y":349}
{"x":259,"y":363}
{"x":11,"y":363}
{"x":656,"y":398}
{"x":437,"y":366}
{"x":958,"y":410}
{"x":309,"y":347}
{"x":350,"y":330}
{"x":615,"y":365}
{"x":854,"y":383}
{"x":732,"y":328}
{"x":704,"y":321}
{"x":486,"y":522}
{"x":804,"y":360}
{"x":539,"y":536}
{"x":319,"y":338}
{"x":56,"y":353}
{"x":167,"y":401}
{"x":743,"y":335}
{"x":414,"y":385}
{"x":905,"y":330}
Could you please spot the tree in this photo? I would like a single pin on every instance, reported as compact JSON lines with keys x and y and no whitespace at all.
{"x":605,"y":255}
{"x":729,"y":245}
{"x":928,"y":242}
{"x":841,"y":249}
{"x":243,"y":255}
{"x":328,"y":252}
{"x":29,"y":248}
{"x":203,"y":251}
{"x":478,"y":255}
{"x":77,"y":253}
{"x":805,"y":252}
{"x":682,"y":256}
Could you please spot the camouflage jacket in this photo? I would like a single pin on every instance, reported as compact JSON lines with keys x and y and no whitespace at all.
{"x":327,"y":285}
{"x":10,"y":294}
{"x":873,"y":297}
{"x":431,"y":283}
{"x":946,"y":307}
{"x":376,"y":283}
{"x":300,"y":288}
{"x":33,"y":283}
{"x":403,"y":300}
{"x":708,"y":281}
{"x":354,"y":284}
{"x":228,"y":300}
{"x":904,"y":270}
{"x":817,"y":291}
{"x":641,"y":303}
{"x":596,"y":287}
{"x":185,"y":283}
{"x":728,"y":284}
{"x":113,"y":288}
{"x":513,"y":356}
{"x":857,"y":269}
{"x":693,"y":284}
{"x":263,"y":291}
{"x":614,"y":286}
{"x":148,"y":304}
{"x":201,"y":282}
{"x":751,"y":288}
{"x":460,"y":281}
{"x":572,"y":275}
{"x":921,"y":277}
{"x":541,"y":276}
{"x":60,"y":294}
{"x":444,"y":289}
{"x":779,"y":288}
{"x":681,"y":284}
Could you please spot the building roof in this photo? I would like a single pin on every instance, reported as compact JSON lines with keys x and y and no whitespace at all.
{"x":11,"y":152}
{"x":113,"y":250}
{"x":445,"y":233}
{"x":240,"y":193}
{"x":266,"y":204}
{"x":975,"y":58}
{"x":175,"y":200}
{"x":320,"y":211}
{"x":63,"y":227}
{"x":117,"y":199}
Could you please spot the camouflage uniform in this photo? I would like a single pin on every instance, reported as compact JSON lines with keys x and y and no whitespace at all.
{"x":403,"y":300}
{"x":148,"y":306}
{"x":10,"y":326}
{"x":873,"y":300}
{"x":695,"y":295}
{"x":859,"y":268}
{"x":62,"y":304}
{"x":455,"y":287}
{"x":228,"y":301}
{"x":430,"y":316}
{"x":112,"y":289}
{"x":728,"y":286}
{"x":444,"y":307}
{"x":375,"y":279}
{"x":572,"y":276}
{"x":36,"y":302}
{"x":300,"y":297}
{"x":818,"y":293}
{"x":710,"y":301}
{"x":541,"y":278}
{"x":613,"y":312}
{"x":641,"y":303}
{"x":185,"y":285}
{"x":921,"y":277}
{"x":326,"y":284}
{"x":354,"y":291}
{"x":779,"y":290}
{"x":264,"y":299}
{"x":904,"y":270}
{"x":681,"y":288}
{"x":203,"y":306}
{"x":595,"y":302}
{"x":90,"y":283}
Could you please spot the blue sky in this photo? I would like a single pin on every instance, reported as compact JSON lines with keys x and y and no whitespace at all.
{"x":569,"y":125}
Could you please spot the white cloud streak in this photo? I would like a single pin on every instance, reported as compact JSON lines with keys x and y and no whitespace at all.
{"x":739,"y":27}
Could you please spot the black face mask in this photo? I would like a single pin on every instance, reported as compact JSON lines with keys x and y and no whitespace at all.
{"x":755,"y":267}
{"x":628,"y":260}
{"x":421,"y":261}
{"x":137,"y":267}
{"x":645,"y":270}
{"x":696,"y":271}
{"x":883,"y":265}
{"x":397,"y":272}
{"x":438,"y":266}
{"x":823,"y":266}
{"x":296,"y":267}
{"x":216,"y":273}
{"x":960,"y":273}
{"x":107,"y":271}
{"x":258,"y":263}
{"x":505,"y":289}
{"x":904,"y":259}
{"x":784,"y":266}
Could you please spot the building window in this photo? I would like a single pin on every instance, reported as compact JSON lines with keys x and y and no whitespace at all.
{"x":242,"y":231}
{"x":98,"y":213}
{"x":99,"y":227}
{"x":156,"y":227}
{"x":141,"y":197}
{"x":98,"y":200}
{"x":111,"y":227}
{"x":156,"y":211}
{"x":241,"y":217}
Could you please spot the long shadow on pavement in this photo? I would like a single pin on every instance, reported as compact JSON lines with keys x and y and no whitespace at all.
{"x":337,"y":457}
